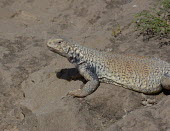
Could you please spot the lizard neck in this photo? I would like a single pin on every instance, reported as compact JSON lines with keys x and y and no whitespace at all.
{"x":78,"y":54}
{"x":75,"y":55}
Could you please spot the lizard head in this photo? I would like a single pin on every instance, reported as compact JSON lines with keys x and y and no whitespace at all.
{"x":59,"y":46}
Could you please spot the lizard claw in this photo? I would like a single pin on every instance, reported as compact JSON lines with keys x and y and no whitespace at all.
{"x":66,"y":96}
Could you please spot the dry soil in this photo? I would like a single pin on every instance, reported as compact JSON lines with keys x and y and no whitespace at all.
{"x":32,"y":97}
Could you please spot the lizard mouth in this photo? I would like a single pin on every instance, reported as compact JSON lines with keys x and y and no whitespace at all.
{"x":56,"y":51}
{"x":53,"y":50}
{"x":50,"y":48}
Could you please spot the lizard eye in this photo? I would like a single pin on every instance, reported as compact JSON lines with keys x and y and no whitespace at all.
{"x":60,"y":42}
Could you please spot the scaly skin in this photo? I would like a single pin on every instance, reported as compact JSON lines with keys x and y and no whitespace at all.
{"x":141,"y":74}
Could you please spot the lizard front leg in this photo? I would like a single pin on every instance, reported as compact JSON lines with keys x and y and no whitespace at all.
{"x":91,"y":85}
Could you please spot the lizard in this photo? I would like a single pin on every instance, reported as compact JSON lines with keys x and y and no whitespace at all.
{"x":142,"y":74}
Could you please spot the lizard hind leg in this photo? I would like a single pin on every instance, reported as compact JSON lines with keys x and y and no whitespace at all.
{"x":166,"y":82}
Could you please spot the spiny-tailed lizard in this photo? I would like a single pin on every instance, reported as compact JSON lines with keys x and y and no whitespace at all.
{"x":142,"y":74}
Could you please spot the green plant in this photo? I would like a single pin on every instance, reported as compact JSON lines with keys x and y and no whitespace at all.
{"x":154,"y":23}
{"x":116,"y":30}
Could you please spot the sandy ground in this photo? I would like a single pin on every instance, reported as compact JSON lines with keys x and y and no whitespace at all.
{"x":31,"y":93}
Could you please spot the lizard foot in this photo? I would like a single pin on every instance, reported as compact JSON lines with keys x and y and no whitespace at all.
{"x":78,"y":93}
{"x":148,"y":100}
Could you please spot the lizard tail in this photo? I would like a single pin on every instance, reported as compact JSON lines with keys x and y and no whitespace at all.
{"x":166,"y":82}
